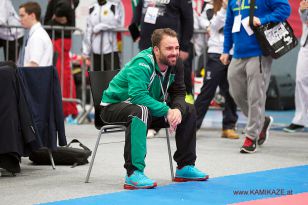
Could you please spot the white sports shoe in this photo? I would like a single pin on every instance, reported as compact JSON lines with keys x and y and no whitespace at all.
{"x":151,"y":133}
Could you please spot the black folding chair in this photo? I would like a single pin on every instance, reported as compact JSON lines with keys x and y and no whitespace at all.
{"x":99,"y":81}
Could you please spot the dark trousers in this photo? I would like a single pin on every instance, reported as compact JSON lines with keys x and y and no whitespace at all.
{"x":216,"y":75}
{"x":106,"y":64}
{"x":11,"y":49}
{"x":125,"y":113}
{"x":188,"y":70}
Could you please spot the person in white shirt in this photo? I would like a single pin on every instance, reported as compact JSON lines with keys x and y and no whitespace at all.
{"x":300,"y":119}
{"x":202,"y":21}
{"x":10,"y":37}
{"x":99,"y":40}
{"x":216,"y":73}
{"x":38,"y":47}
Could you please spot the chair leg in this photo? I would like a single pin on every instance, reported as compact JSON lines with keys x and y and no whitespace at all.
{"x":93,"y":156}
{"x":51,"y":159}
{"x":169,"y":153}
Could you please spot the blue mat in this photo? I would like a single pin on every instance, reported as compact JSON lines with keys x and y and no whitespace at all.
{"x":213,"y":118}
{"x":281,"y":117}
{"x":221,"y":190}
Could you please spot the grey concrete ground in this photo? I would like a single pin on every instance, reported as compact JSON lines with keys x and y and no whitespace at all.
{"x":216,"y":156}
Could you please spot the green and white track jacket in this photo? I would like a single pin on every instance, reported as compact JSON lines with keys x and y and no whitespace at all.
{"x":140,"y":82}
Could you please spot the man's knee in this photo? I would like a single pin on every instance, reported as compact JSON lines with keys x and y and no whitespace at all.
{"x":142,"y":112}
{"x":190,"y":111}
{"x":231,"y":78}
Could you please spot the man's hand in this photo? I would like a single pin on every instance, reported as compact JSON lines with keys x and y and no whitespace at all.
{"x":184,"y":55}
{"x":61,"y":20}
{"x":208,"y":32}
{"x":174,"y":118}
{"x":31,"y":64}
{"x":224,"y":58}
{"x":256,"y":21}
{"x":85,"y":57}
{"x":303,"y":5}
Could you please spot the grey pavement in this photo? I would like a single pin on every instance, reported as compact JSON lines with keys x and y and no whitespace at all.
{"x":216,"y":156}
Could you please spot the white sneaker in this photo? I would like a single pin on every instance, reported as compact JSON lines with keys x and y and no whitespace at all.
{"x":151,"y":133}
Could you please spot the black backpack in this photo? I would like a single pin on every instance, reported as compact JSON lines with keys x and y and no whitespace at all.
{"x":62,"y":155}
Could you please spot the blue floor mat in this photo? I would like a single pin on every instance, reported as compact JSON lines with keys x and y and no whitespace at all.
{"x":220,"y":190}
{"x":213,"y":118}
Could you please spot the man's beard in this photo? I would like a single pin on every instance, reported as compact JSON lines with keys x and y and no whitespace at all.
{"x":166,"y":61}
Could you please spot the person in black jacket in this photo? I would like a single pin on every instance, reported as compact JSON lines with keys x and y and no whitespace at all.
{"x":62,"y":13}
{"x":58,"y":6}
{"x":174,"y":14}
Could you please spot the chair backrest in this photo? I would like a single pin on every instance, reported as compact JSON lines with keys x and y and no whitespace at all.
{"x":99,"y":81}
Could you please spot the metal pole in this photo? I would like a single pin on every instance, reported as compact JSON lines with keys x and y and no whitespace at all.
{"x":169,"y":154}
{"x":62,"y":60}
{"x":112,"y":51}
{"x":51,"y":159}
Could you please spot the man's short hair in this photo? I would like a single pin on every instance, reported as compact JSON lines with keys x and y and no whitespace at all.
{"x":32,"y":7}
{"x":158,"y":34}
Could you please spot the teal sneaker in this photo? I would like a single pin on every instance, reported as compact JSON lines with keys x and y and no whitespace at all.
{"x":138,"y":181}
{"x":71,"y":121}
{"x":189,"y":173}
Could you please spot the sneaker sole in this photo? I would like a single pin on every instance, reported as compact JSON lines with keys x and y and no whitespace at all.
{"x":132,"y":187}
{"x":267,"y":131}
{"x":245,"y":151}
{"x":179,"y":179}
{"x":293,"y":131}
{"x":232,"y":138}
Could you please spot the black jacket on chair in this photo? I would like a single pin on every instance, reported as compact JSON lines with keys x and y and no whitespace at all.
{"x":43,"y":95}
{"x":17,"y":133}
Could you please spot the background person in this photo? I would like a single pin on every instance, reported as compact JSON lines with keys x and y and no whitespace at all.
{"x":38,"y":49}
{"x":300,"y":119}
{"x":202,"y":21}
{"x":216,"y":75}
{"x":99,"y":40}
{"x":249,"y":71}
{"x":62,"y":13}
{"x":10,"y":38}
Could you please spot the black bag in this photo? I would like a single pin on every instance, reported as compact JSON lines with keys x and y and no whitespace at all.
{"x":63,"y":155}
{"x":275,"y":39}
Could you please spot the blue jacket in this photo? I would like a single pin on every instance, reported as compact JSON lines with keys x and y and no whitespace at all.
{"x":266,"y":10}
{"x":43,"y":95}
